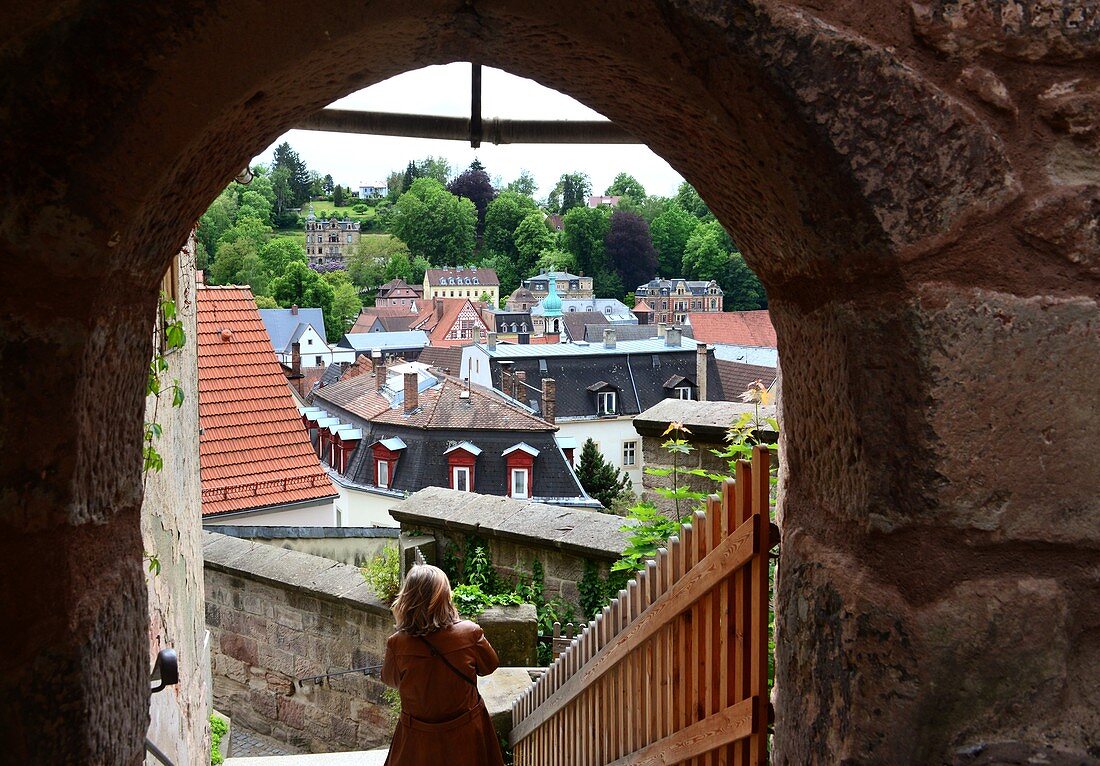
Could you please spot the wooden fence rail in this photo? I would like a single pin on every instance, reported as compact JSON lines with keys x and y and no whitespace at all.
{"x":675,"y":670}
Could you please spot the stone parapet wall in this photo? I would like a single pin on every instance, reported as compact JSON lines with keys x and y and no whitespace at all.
{"x":349,"y":545}
{"x":276,"y":615}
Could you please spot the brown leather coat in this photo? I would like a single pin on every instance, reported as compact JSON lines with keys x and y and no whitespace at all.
{"x":443,"y":719}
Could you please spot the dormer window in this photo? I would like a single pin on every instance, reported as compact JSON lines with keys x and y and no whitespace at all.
{"x":608,"y":402}
{"x":521,"y":466}
{"x":386,"y":454}
{"x":684,"y":392}
{"x":461,"y":460}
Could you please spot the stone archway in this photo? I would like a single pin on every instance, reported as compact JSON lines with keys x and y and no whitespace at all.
{"x":916,"y":186}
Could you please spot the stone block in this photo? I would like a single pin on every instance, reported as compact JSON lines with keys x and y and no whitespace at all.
{"x":345,"y":731}
{"x":232,"y":669}
{"x":292,"y":713}
{"x":240,"y":647}
{"x":270,"y":658}
{"x":279,"y":683}
{"x":512,"y":631}
{"x":288,"y":639}
{"x":499,"y":691}
{"x":263,"y":702}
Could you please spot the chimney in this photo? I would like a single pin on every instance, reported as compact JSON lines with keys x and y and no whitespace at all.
{"x":672,"y":336}
{"x":296,"y":359}
{"x":519,"y":388}
{"x":662,"y":328}
{"x":506,"y":377}
{"x":608,"y":338}
{"x":437,"y":305}
{"x":379,"y":374}
{"x":412,"y":397}
{"x":701,"y":370}
{"x":549,"y":400}
{"x":294,"y":309}
{"x":492,"y":343}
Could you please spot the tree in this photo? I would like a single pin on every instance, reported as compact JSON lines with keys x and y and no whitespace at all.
{"x":571,"y":191}
{"x":531,"y":238}
{"x":217,"y":219}
{"x":302,"y":286}
{"x":433,"y":167}
{"x":255,"y":205}
{"x":705,"y":254}
{"x":367,"y":260}
{"x":689,"y":200}
{"x":626,"y":185}
{"x":502,"y":217}
{"x":298,"y":176}
{"x":338,"y":196}
{"x":327,"y":184}
{"x":345,"y":303}
{"x":474,"y":185}
{"x":629,"y":249}
{"x":505,"y":267}
{"x":395,"y":185}
{"x":524,"y":184}
{"x":599,"y":478}
{"x":238,"y":263}
{"x":670,"y":232}
{"x":584,"y":234}
{"x":742,"y":287}
{"x":265,"y":302}
{"x":280,"y":252}
{"x":434,"y":223}
{"x":555,"y":260}
{"x":280,"y":187}
{"x":248,"y":228}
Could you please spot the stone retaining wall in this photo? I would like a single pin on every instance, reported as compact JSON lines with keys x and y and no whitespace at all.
{"x":276,"y":615}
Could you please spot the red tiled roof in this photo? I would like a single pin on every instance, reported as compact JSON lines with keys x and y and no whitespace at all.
{"x":253,"y":450}
{"x":438,"y":325}
{"x":642,"y":306}
{"x":736,"y":328}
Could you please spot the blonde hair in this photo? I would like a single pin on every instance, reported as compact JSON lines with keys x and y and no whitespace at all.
{"x":424,"y":604}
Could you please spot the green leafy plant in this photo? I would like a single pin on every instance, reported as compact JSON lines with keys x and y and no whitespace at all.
{"x":383,"y":573}
{"x":471,"y":600}
{"x":218,"y":729}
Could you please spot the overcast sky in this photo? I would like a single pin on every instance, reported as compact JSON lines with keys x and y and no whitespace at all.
{"x":445,"y":90}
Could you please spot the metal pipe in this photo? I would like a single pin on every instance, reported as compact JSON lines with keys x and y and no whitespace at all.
{"x":475,"y":106}
{"x":494,"y":131}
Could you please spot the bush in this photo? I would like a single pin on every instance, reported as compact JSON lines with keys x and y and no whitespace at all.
{"x":383,"y":574}
{"x":360,"y":208}
{"x":218,"y":729}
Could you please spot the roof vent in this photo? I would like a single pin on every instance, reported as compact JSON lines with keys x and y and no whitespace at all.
{"x":227,"y":334}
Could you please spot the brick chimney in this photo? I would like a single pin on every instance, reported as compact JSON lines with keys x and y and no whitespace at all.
{"x":506,"y":377}
{"x":549,"y":400}
{"x":672,"y":336}
{"x":412,"y":396}
{"x":608,"y":338}
{"x":294,"y":309}
{"x":519,"y":388}
{"x":701,"y":370}
{"x":379,"y":374}
{"x":437,"y":306}
{"x":296,"y":359}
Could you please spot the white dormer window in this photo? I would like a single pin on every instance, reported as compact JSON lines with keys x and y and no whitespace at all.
{"x":521,"y":479}
{"x":684,"y":392}
{"x":608,"y":402}
{"x":383,"y":474}
{"x":460,"y":478}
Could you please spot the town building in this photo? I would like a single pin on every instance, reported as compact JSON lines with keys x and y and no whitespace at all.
{"x":567,"y":285}
{"x":608,"y":384}
{"x":397,"y":293}
{"x":306,"y":328}
{"x":747,"y":337}
{"x":373,"y":191}
{"x":386,"y":345}
{"x":404,"y":428}
{"x":598,"y":200}
{"x":671,"y":300}
{"x":462,"y":282}
{"x":508,"y":323}
{"x":329,"y":241}
{"x":521,"y":299}
{"x":614,"y":312}
{"x":449,"y":321}
{"x":255,"y":462}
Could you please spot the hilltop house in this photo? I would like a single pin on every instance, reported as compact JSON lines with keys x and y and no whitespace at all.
{"x":671,"y":300}
{"x":599,"y":387}
{"x":405,"y":428}
{"x":462,"y":282}
{"x":329,"y":242}
{"x":306,"y":327}
{"x":373,"y":191}
{"x":255,"y":463}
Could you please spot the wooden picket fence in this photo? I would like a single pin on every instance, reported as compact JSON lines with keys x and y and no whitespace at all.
{"x":675,"y":670}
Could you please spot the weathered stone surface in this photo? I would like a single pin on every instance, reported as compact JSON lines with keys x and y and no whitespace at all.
{"x":1066,"y":223}
{"x":512,"y":631}
{"x":988,"y":87}
{"x":500,"y":690}
{"x":1073,"y":107}
{"x":1022,"y":754}
{"x":1033,"y":30}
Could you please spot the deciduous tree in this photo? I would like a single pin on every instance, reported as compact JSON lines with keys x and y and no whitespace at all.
{"x":298,"y":178}
{"x":302,"y":286}
{"x":434,"y":223}
{"x":670,"y":232}
{"x":525,"y":184}
{"x":629,"y":249}
{"x":501,"y":220}
{"x":474,"y":184}
{"x":626,"y":185}
{"x":585,"y":231}
{"x":531,"y":238}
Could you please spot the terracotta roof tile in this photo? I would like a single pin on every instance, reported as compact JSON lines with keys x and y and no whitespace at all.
{"x":736,"y":328}
{"x":253,"y":450}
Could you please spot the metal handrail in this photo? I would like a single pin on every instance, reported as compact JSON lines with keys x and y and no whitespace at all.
{"x":156,"y":753}
{"x":319,"y":680}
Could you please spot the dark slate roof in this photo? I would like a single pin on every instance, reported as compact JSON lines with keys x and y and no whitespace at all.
{"x":736,"y":377}
{"x":576,"y":321}
{"x":333,"y":372}
{"x":668,"y":287}
{"x":645,"y":374}
{"x":281,"y":324}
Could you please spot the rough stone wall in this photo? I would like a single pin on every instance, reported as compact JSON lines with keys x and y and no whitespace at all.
{"x":348,"y":545}
{"x":916,"y":184}
{"x":171,"y":531}
{"x":277,"y":615}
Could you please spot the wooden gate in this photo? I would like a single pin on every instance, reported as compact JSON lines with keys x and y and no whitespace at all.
{"x":675,"y":670}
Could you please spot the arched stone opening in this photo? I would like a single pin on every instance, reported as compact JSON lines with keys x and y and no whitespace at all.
{"x":919,"y":220}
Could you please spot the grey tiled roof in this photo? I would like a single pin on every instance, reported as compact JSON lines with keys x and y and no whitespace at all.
{"x":281,"y":324}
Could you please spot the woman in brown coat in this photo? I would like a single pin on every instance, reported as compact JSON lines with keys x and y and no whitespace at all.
{"x":434,"y":660}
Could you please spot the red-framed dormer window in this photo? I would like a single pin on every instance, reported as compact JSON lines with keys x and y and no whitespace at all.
{"x":461,"y":465}
{"x":343,"y":444}
{"x":520,"y":460}
{"x":385,"y":455}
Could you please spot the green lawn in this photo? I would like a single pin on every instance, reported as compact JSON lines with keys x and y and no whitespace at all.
{"x":326,"y":208}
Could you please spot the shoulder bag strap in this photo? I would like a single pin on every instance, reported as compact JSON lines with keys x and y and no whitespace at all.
{"x":435,"y":653}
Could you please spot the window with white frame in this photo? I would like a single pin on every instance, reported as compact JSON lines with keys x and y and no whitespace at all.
{"x":684,"y":392}
{"x":521,"y":480}
{"x":319,"y":361}
{"x":383,"y":474}
{"x":608,"y":401}
{"x":630,"y":453}
{"x":460,"y":478}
